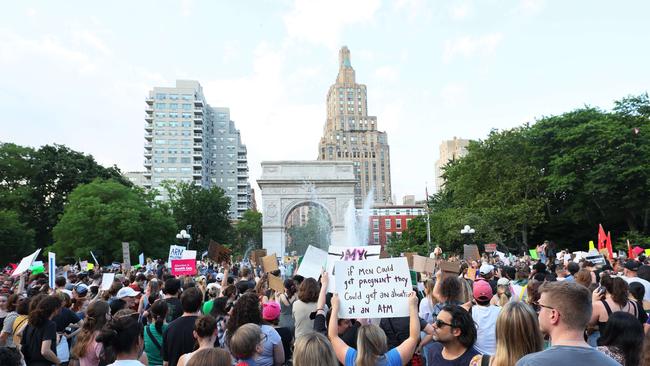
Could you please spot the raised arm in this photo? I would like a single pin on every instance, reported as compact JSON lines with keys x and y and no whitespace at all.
{"x":407,"y":347}
{"x":436,"y":288}
{"x":340,"y":348}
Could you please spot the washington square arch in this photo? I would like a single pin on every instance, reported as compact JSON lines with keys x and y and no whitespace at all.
{"x":286,"y":186}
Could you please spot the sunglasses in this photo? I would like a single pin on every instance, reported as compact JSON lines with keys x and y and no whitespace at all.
{"x":439,"y":324}
{"x":543,"y":306}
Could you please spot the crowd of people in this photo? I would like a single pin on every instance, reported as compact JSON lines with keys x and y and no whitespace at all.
{"x":557,"y":310}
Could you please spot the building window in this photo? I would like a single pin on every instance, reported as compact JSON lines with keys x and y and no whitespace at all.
{"x":375,"y":238}
{"x":160,"y":96}
{"x":187,"y":106}
{"x":398,"y":224}
{"x":160,"y":105}
{"x":387,"y":223}
{"x":173,"y":105}
{"x":387,"y":238}
{"x":375,"y":224}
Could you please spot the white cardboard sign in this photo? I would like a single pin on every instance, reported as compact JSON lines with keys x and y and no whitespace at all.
{"x":375,"y":288}
{"x":107,"y":280}
{"x":348,"y":254}
{"x":188,"y":254}
{"x":25,"y":263}
{"x":175,"y":252}
{"x":313,"y":262}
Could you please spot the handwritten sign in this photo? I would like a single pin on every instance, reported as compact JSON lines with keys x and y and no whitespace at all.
{"x":126,"y":255}
{"x":312,"y":263}
{"x":490,"y":248}
{"x":25,"y":263}
{"x":183,"y":267}
{"x":375,"y":288}
{"x":270,"y":263}
{"x":175,"y":252}
{"x":470,"y":253}
{"x":353,"y":254}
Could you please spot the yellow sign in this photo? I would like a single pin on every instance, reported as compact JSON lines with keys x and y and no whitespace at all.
{"x":90,"y":266}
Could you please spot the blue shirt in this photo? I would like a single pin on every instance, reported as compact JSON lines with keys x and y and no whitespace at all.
{"x":391,"y":358}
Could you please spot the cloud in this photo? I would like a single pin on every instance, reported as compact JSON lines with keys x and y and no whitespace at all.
{"x":454,"y":95}
{"x":530,"y":7}
{"x":231,"y":51}
{"x":186,"y":7}
{"x":460,"y":11}
{"x":323,"y":22}
{"x":387,"y":73}
{"x":468,"y":46}
{"x":413,"y":8}
{"x":94,"y":41}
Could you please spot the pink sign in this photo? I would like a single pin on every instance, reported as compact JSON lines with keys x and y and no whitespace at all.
{"x":182,"y":267}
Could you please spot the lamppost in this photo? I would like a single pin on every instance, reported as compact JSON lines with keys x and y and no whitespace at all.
{"x":185,"y":235}
{"x":467,"y":231}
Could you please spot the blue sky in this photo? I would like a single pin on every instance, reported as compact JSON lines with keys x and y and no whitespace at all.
{"x":77,"y":72}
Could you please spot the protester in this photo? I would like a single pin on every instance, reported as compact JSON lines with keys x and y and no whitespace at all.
{"x":246,"y":344}
{"x":122,"y":337}
{"x":6,"y":339}
{"x":631,"y":267}
{"x":614,"y":298}
{"x":171,"y":290}
{"x":517,"y":334}
{"x":9,"y":357}
{"x":39,"y":339}
{"x":565,"y":310}
{"x":304,"y":306}
{"x":124,"y":299}
{"x":503,"y":294}
{"x":447,"y":291}
{"x":86,"y":349}
{"x":219,"y":311}
{"x":205,"y":333}
{"x":286,"y":299}
{"x":372,"y":342}
{"x":455,"y":334}
{"x":178,"y":338}
{"x":210,"y":357}
{"x":313,"y":349}
{"x":622,"y":339}
{"x":270,"y":316}
{"x":485,"y":317}
{"x":153,"y":332}
{"x":637,"y":292}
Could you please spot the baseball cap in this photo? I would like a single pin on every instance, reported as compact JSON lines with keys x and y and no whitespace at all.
{"x":486,"y":268}
{"x":632,"y":265}
{"x":271,"y":310}
{"x":81,"y":290}
{"x":503,"y":282}
{"x":219,"y":277}
{"x":482,"y":290}
{"x":126,"y":292}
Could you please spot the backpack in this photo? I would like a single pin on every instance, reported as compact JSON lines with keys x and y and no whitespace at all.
{"x":19,"y":325}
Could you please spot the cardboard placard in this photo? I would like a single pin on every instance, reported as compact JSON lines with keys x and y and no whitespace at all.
{"x":188,"y":254}
{"x":257,"y":254}
{"x":423,"y":264}
{"x":375,"y":288}
{"x":107,"y":280}
{"x":25,"y":263}
{"x":470,"y":253}
{"x":338,"y":253}
{"x":269,"y":263}
{"x":183,"y":267}
{"x":313,"y":262}
{"x":409,"y":258}
{"x":276,"y":283}
{"x":490,"y":248}
{"x":126,"y":256}
{"x":218,"y":252}
{"x":449,"y":268}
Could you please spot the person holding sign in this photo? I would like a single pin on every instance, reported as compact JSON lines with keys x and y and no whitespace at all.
{"x":372,"y":342}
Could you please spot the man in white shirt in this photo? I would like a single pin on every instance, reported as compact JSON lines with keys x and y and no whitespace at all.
{"x":485,"y":317}
{"x":629,"y":275}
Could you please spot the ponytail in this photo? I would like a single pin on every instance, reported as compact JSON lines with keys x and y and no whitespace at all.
{"x":158,"y":312}
{"x":120,"y":335}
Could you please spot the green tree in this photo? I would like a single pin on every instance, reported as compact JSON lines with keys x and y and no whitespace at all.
{"x":205,"y":209}
{"x":316,"y":232}
{"x":413,"y":239}
{"x":99,"y":216}
{"x":15,"y":236}
{"x":248,"y":232}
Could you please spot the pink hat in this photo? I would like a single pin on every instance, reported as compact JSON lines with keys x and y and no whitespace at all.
{"x":482,"y":290}
{"x":271,"y":310}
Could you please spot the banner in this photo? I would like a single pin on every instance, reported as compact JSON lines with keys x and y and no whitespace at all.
{"x":25,"y":263}
{"x":175,"y":252}
{"x":126,"y":255}
{"x":51,"y":268}
{"x":354,"y":254}
{"x":490,"y":248}
{"x":107,"y":280}
{"x":188,"y":254}
{"x":470,"y":253}
{"x":374,"y":288}
{"x":183,"y":267}
{"x":313,"y":263}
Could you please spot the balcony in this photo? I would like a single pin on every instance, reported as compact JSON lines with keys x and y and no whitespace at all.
{"x":198,"y":146}
{"x":242,"y":175}
{"x":198,"y":128}
{"x":197,"y":173}
{"x":149,"y":101}
{"x":198,"y":137}
{"x":198,"y":120}
{"x":148,"y":117}
{"x":148,"y":145}
{"x":147,"y":162}
{"x":198,"y":111}
{"x":147,"y":154}
{"x":147,"y":174}
{"x":241,"y":159}
{"x":242,"y":184}
{"x":148,"y":136}
{"x":197,"y":164}
{"x":198,"y":103}
{"x":242,"y":199}
{"x":197,"y":155}
{"x":149,"y":109}
{"x":148,"y":127}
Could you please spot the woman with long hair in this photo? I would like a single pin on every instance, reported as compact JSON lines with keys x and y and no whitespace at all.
{"x":86,"y":349}
{"x":6,"y":339}
{"x":153,"y":332}
{"x":220,"y":309}
{"x":372,"y":346}
{"x":205,"y":333}
{"x":517,"y":334}
{"x":503,"y":293}
{"x":304,"y":306}
{"x":286,"y":300}
{"x":38,"y":344}
{"x":622,"y":338}
{"x":313,"y":349}
{"x":122,"y":337}
{"x":615,"y":298}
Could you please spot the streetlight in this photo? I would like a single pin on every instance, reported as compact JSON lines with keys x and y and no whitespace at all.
{"x":467,"y":231}
{"x":184,"y":235}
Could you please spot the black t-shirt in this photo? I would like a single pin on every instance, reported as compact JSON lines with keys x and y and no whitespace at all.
{"x":287,"y":337}
{"x":174,"y":309}
{"x":397,"y":329}
{"x":243,"y":286}
{"x":31,"y":343}
{"x":435,"y":356}
{"x":178,"y":339}
{"x":65,"y":318}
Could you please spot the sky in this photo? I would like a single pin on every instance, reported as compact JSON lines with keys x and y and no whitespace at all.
{"x":77,"y":72}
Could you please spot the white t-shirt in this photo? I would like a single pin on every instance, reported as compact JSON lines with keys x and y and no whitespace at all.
{"x":426,"y":310}
{"x":127,"y":363}
{"x":645,"y":284}
{"x":485,"y":318}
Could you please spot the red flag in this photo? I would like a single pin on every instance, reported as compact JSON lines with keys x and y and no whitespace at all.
{"x":630,"y":252}
{"x":602,"y":238}
{"x":608,"y":245}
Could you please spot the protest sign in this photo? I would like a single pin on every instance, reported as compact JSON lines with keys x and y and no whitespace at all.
{"x":25,"y":263}
{"x":90,"y":266}
{"x":141,"y":259}
{"x":373,"y":288}
{"x":533,"y":253}
{"x":423,"y":264}
{"x":257,"y":254}
{"x":126,"y":255}
{"x":409,"y":258}
{"x":450,"y":268}
{"x":107,"y":280}
{"x":269,"y":263}
{"x":276,"y":283}
{"x":183,"y":267}
{"x":175,"y":252}
{"x":51,"y":268}
{"x":83,"y":265}
{"x":94,"y":258}
{"x":596,"y":259}
{"x":490,"y":248}
{"x":188,"y":254}
{"x":218,"y":252}
{"x":336,"y":253}
{"x":647,"y":252}
{"x":470,"y":253}
{"x":313,"y":262}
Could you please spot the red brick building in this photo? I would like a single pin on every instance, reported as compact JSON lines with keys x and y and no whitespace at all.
{"x":388,"y":220}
